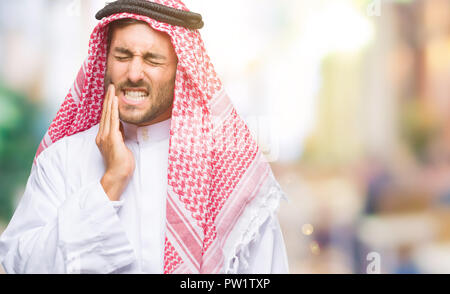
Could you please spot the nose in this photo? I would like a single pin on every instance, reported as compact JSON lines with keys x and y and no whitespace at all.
{"x":135,"y":70}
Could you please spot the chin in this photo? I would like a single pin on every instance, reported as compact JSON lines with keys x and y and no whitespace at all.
{"x":131,"y":120}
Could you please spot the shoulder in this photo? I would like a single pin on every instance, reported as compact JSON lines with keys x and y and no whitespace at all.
{"x":85,"y":137}
{"x":73,"y":144}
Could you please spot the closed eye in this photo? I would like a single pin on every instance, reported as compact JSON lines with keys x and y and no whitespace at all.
{"x":152,"y":62}
{"x":122,"y":58}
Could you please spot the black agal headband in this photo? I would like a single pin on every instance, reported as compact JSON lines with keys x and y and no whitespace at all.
{"x":173,"y":16}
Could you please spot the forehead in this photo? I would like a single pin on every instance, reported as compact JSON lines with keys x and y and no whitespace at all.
{"x":140,"y":37}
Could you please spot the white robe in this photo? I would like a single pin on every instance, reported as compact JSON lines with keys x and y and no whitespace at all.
{"x":65,"y":223}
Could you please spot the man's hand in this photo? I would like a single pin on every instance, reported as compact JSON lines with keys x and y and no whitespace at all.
{"x":119,"y":160}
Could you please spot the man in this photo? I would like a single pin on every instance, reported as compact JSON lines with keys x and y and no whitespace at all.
{"x":158,"y":175}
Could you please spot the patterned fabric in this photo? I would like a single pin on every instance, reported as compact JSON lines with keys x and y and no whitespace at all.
{"x":215,"y":167}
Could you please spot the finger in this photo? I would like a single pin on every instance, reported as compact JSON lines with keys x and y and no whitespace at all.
{"x":122,"y":129}
{"x":102,"y":119}
{"x":115,"y":123}
{"x":107,"y":123}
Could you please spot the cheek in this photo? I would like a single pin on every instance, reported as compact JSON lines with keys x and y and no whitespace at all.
{"x":116,"y":71}
{"x":159,"y":75}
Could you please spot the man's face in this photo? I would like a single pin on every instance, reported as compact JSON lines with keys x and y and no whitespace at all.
{"x":142,"y":65}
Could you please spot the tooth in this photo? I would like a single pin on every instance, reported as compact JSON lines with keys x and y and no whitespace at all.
{"x":135,"y":95}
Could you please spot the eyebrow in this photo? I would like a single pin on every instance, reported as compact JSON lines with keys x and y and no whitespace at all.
{"x":150,"y":55}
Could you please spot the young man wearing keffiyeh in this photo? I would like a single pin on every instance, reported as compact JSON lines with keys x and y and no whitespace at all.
{"x":147,"y":168}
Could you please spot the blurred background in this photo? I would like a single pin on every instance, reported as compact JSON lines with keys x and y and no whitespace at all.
{"x":349,"y":100}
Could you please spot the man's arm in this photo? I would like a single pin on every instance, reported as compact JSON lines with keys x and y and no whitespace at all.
{"x":267,"y":253}
{"x":52,"y":232}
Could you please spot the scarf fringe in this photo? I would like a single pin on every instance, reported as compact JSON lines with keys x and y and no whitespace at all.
{"x":247,"y":230}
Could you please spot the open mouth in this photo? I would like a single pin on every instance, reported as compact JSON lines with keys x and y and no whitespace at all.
{"x":135,"y":96}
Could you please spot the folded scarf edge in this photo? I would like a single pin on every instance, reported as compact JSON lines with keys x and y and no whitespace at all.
{"x":247,"y":228}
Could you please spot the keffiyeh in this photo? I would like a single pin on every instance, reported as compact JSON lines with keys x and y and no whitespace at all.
{"x":220,"y":188}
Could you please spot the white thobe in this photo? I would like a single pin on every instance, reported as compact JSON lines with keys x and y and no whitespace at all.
{"x":65,"y":223}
